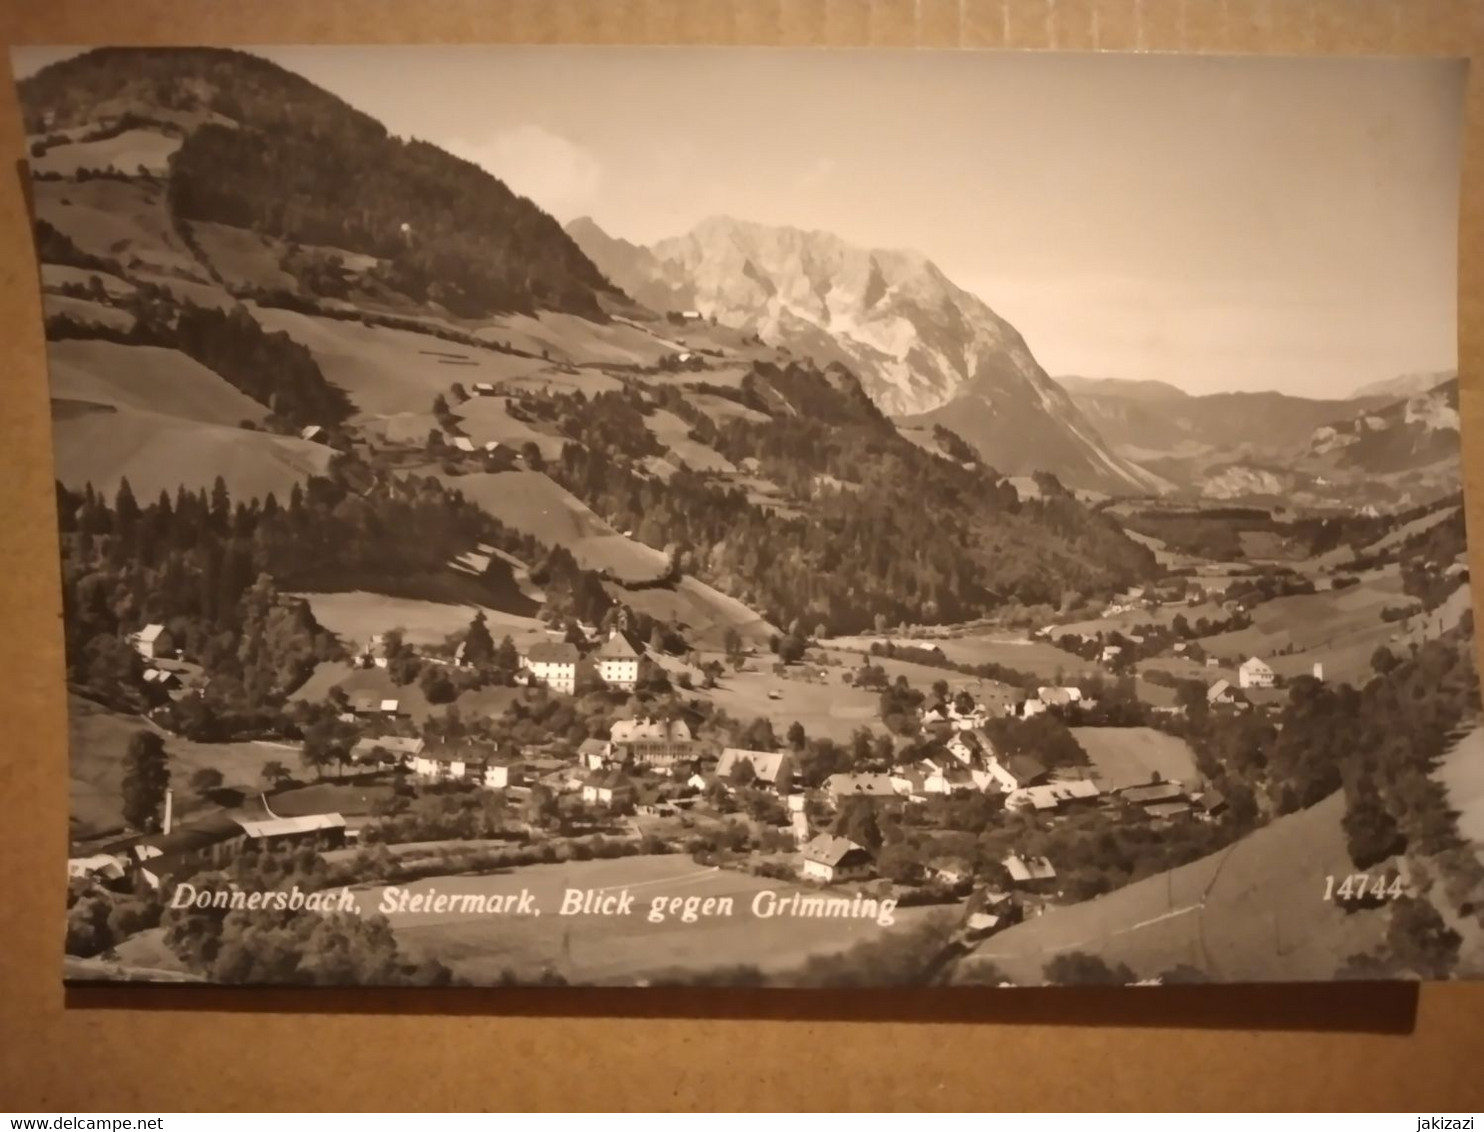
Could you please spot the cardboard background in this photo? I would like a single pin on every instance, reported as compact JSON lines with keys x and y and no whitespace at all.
{"x":155,"y":1049}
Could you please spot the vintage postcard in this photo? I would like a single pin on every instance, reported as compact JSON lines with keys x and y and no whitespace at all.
{"x":758,"y":517}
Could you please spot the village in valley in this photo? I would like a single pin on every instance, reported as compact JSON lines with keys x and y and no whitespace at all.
{"x":432,"y":555}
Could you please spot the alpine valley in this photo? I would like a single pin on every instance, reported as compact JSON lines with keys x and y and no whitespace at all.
{"x":411,"y":538}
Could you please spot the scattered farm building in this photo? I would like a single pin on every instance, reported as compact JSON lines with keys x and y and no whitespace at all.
{"x":829,"y":859}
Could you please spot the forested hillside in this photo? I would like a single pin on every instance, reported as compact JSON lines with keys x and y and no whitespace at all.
{"x":267,"y":150}
{"x":889,"y":530}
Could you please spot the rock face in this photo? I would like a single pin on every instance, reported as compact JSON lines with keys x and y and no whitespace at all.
{"x":921,"y":345}
{"x":1406,"y":436}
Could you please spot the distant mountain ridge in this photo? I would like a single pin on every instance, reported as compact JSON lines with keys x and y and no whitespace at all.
{"x":924,"y":348}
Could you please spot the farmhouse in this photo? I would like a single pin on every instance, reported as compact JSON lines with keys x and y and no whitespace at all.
{"x":482,"y":389}
{"x":1053,"y":795}
{"x":594,"y":754}
{"x":652,"y":742}
{"x":950,"y":870}
{"x":151,"y":642}
{"x":386,"y":749}
{"x":972,"y":748}
{"x":446,"y":766}
{"x":1059,"y":696}
{"x":160,"y":678}
{"x":610,"y":788}
{"x":499,"y":776}
{"x":770,"y":770}
{"x":1027,"y":872}
{"x":1212,"y":803}
{"x":1164,"y":811}
{"x":693,"y":315}
{"x":828,"y":859}
{"x":1015,"y":773}
{"x":103,"y":866}
{"x":554,"y":663}
{"x":839,"y":786}
{"x":1221,"y":693}
{"x":1159,"y":793}
{"x":947,"y":779}
{"x":311,"y":432}
{"x":618,"y":660}
{"x":1255,"y":674}
{"x":464,"y":444}
{"x":323,"y":831}
{"x":214,"y":841}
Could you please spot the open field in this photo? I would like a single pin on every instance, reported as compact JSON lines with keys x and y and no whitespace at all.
{"x":1411,"y":530}
{"x":54,"y":275}
{"x":987,"y":647}
{"x":533,"y":504}
{"x":673,"y":432}
{"x":190,"y":290}
{"x":1127,"y":621}
{"x":1253,"y":912}
{"x":98,"y":739}
{"x":242,"y":258}
{"x":123,"y":221}
{"x":1340,"y":628}
{"x":357,"y":616}
{"x":722,"y":377}
{"x":722,"y":409}
{"x":1132,"y":756}
{"x":148,"y":378}
{"x":828,"y":710}
{"x":125,"y":153}
{"x":101,"y":445}
{"x":620,"y":950}
{"x":391,"y":371}
{"x":363,"y":681}
{"x":567,"y":338}
{"x":702,"y":612}
{"x":485,"y":419}
{"x":86,"y":311}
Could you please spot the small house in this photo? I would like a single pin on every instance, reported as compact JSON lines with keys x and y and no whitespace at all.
{"x":828,"y":859}
{"x":463,"y":444}
{"x":1029,"y":872}
{"x":770,"y":770}
{"x":838,"y":787}
{"x":151,"y":642}
{"x":311,"y":432}
{"x":594,"y":754}
{"x":611,"y":788}
{"x":1221,"y":693}
{"x":387,"y":750}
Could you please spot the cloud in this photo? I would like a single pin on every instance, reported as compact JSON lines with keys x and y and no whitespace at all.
{"x":555,"y":172}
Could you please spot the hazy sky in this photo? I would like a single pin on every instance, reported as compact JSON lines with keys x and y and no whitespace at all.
{"x":1217,"y":223}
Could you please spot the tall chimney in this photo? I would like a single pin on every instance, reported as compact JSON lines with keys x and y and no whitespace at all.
{"x":169,"y":807}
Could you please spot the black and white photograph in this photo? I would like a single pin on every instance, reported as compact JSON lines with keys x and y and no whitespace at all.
{"x":598,"y":516}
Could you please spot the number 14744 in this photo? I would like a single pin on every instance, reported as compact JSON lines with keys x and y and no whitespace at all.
{"x":1362,"y":886}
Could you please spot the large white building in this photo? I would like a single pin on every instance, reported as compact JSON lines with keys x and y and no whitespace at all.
{"x":554,"y":663}
{"x":618,"y":661}
{"x":1255,"y":674}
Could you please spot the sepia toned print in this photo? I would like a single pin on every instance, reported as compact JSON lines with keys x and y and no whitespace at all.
{"x":753,"y":517}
